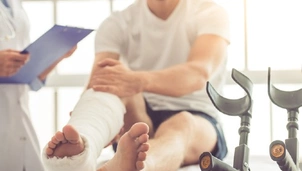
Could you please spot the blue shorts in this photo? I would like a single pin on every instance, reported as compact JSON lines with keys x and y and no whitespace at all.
{"x":157,"y":117}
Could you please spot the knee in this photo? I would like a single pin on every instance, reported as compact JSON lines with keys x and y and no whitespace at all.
{"x":185,"y":117}
{"x":181,"y":121}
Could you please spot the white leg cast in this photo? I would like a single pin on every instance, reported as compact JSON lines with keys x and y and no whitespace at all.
{"x":98,"y":117}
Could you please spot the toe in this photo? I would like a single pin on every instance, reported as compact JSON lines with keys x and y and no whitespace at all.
{"x":140,"y":165}
{"x":54,"y":140}
{"x":138,"y":129}
{"x":143,"y":148}
{"x":51,"y":145}
{"x":141,"y":156}
{"x":143,"y":138}
{"x":71,"y":134}
{"x":49,"y":151}
{"x":60,"y":136}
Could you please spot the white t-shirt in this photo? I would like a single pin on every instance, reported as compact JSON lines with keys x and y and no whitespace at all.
{"x":146,"y":42}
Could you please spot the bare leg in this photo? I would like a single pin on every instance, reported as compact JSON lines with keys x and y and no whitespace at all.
{"x":131,"y":151}
{"x":181,"y":139}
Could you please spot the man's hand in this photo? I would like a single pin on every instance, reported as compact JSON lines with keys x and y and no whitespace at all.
{"x":11,"y":61}
{"x":113,"y":77}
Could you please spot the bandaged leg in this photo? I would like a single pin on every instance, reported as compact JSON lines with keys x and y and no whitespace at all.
{"x":98,"y":118}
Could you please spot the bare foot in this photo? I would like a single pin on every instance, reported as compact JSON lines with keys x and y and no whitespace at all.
{"x":65,"y":144}
{"x":131,"y":150}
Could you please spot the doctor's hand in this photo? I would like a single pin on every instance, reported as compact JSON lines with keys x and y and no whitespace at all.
{"x":11,"y":61}
{"x":70,"y":52}
{"x":113,"y":77}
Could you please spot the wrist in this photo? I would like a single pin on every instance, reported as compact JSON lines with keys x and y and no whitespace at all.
{"x":144,"y":80}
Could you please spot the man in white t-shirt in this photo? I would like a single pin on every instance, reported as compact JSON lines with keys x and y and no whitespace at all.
{"x":156,"y":56}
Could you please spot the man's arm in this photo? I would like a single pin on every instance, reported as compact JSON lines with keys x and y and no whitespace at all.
{"x":206,"y":54}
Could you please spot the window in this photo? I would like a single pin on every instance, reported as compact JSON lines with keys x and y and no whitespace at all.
{"x":67,"y":99}
{"x":236,"y":55}
{"x":41,"y":16}
{"x":42,"y":110}
{"x":87,"y":14}
{"x":274,"y":37}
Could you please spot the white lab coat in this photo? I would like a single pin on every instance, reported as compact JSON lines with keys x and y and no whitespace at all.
{"x":19,"y":146}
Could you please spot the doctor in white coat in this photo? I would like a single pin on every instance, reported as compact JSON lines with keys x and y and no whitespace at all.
{"x":19,"y":146}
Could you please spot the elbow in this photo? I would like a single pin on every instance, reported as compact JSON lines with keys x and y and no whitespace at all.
{"x":202,"y":79}
{"x":199,"y":84}
{"x":202,"y":74}
{"x":196,"y":84}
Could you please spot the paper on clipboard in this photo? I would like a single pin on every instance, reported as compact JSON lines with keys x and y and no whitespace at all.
{"x":46,"y":50}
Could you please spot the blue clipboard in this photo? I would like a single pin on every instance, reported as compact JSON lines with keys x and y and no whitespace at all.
{"x":46,"y":50}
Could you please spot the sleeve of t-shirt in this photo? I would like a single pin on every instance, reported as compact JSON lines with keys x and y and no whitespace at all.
{"x":109,"y":36}
{"x":214,"y":20}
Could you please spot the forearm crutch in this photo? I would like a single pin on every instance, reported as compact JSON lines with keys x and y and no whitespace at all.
{"x":234,"y":107}
{"x":286,"y":154}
